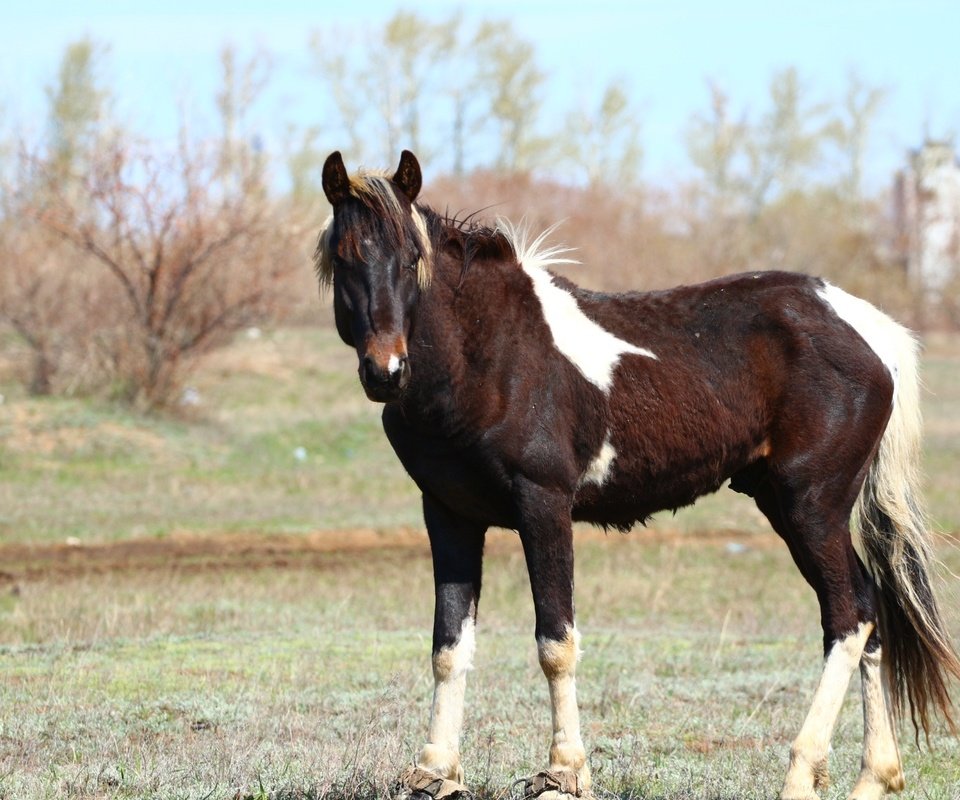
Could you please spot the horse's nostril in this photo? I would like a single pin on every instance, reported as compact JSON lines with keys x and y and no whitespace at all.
{"x":396,"y":371}
{"x":403,"y":374}
{"x":395,"y":364}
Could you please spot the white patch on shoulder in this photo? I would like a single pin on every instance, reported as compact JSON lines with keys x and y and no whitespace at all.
{"x":869,"y":321}
{"x":599,"y":469}
{"x":590,"y":348}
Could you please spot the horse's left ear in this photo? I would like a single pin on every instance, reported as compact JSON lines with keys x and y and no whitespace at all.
{"x":408,"y":177}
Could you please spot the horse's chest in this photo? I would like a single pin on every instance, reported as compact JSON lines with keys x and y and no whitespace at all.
{"x":463,"y":476}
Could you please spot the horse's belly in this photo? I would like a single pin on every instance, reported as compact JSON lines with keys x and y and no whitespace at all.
{"x":634,"y":490}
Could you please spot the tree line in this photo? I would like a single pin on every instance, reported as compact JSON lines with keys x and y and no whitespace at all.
{"x":122,"y":261}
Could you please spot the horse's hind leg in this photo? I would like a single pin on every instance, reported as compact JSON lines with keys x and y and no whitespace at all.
{"x":808,"y":756}
{"x":819,"y":540}
{"x":880,"y":771}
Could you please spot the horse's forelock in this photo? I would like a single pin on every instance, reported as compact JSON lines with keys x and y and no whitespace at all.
{"x":377,"y":192}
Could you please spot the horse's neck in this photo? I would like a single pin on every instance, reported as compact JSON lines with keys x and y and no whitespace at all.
{"x":437,"y":343}
{"x":449,"y":312}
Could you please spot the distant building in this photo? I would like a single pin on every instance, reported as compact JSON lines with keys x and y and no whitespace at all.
{"x":927,"y":213}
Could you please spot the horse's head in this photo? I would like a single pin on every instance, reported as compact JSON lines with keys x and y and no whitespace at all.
{"x":374,"y":252}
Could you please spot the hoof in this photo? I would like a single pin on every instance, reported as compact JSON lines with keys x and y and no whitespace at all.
{"x":873,"y":790}
{"x":804,"y":778}
{"x":874,"y":786}
{"x":559,"y":785}
{"x":420,"y":784}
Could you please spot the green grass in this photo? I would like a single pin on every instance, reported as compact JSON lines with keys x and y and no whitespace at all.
{"x":94,"y":471}
{"x":941,"y":377}
{"x":76,"y":468}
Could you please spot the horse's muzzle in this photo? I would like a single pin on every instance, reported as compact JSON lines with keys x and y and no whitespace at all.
{"x":384,"y":383}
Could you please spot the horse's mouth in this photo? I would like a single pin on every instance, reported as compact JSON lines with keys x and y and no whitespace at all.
{"x":384,"y":383}
{"x":383,"y":394}
{"x":385,"y":391}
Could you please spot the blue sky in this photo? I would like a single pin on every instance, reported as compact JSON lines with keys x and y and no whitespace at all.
{"x":164,"y":60}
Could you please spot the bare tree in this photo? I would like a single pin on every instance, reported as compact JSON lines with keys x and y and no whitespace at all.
{"x":77,"y":106}
{"x":403,"y":70}
{"x":484,"y":81}
{"x":32,"y":290}
{"x":34,"y":282}
{"x":850,"y":131}
{"x":511,"y":80}
{"x":330,"y":49}
{"x":605,"y":142}
{"x":191,"y":263}
{"x":786,"y":141}
{"x":715,"y":146}
{"x":381,"y":82}
{"x":243,"y":82}
{"x":304,"y":159}
{"x":767,"y":196}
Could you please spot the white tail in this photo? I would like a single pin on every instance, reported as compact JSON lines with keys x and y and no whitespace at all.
{"x":891,"y":534}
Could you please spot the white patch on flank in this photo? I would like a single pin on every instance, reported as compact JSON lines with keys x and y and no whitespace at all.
{"x":590,"y":348}
{"x":599,"y":469}
{"x":870,"y":322}
{"x":393,"y":364}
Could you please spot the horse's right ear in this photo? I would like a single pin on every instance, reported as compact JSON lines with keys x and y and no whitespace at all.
{"x":336,"y":182}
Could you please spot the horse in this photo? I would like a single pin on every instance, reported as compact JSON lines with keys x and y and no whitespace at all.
{"x":514,"y":398}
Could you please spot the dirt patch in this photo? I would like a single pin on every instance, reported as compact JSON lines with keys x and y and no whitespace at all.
{"x":192,"y":552}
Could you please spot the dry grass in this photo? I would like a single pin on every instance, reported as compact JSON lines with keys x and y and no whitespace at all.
{"x":234,"y":631}
{"x":311,"y":678}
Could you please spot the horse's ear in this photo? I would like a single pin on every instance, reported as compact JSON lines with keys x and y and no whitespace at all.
{"x":336,"y":182}
{"x":408,"y":177}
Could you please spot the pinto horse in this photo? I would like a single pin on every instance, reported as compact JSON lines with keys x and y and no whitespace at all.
{"x":516,"y":399}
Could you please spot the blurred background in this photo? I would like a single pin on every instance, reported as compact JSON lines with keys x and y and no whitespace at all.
{"x":214,"y":580}
{"x":161,"y":169}
{"x":160,"y":327}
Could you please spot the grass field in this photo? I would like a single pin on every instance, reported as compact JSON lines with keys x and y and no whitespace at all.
{"x":190,"y":607}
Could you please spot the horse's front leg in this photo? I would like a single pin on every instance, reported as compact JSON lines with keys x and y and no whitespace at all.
{"x":457,"y":549}
{"x":546,"y":533}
